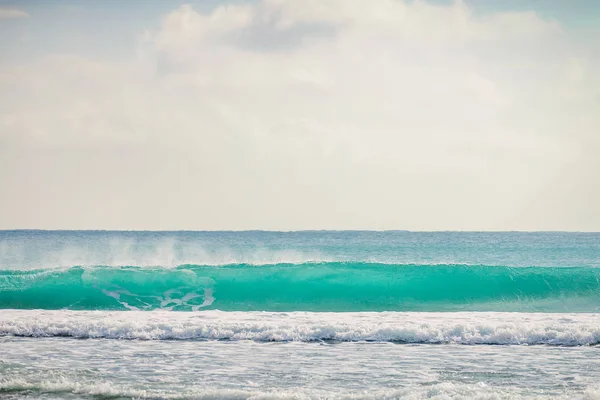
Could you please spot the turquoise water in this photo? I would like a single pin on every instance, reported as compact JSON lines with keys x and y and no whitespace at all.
{"x":295,"y":315}
{"x":339,"y":287}
{"x":300,"y":271}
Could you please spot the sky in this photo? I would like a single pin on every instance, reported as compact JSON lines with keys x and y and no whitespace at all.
{"x":300,"y":114}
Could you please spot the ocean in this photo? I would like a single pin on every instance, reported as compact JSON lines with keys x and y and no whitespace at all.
{"x":311,"y":314}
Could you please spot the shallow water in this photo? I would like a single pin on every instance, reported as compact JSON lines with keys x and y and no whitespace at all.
{"x":59,"y":367}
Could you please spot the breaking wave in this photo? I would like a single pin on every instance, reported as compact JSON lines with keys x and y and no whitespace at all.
{"x":426,"y":328}
{"x":327,"y":286}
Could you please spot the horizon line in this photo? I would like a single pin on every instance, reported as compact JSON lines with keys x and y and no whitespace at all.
{"x":289,"y":231}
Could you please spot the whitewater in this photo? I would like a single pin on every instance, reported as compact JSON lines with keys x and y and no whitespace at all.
{"x":322,"y":314}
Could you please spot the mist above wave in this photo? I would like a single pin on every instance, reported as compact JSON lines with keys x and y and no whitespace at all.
{"x":166,"y":253}
{"x":60,"y":249}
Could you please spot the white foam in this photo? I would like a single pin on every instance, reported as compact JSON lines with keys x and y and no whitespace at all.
{"x":117,"y":296}
{"x":454,"y":328}
{"x":440,"y":391}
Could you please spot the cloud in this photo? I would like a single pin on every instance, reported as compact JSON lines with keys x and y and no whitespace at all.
{"x":311,"y":114}
{"x":6,"y":13}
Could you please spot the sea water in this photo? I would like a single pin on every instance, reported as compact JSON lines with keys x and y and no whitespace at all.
{"x":350,"y":314}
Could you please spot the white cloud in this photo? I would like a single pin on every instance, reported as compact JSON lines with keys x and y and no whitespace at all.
{"x":310,"y":114}
{"x":6,"y":13}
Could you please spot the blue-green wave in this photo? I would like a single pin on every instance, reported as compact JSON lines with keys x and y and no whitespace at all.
{"x":331,"y":286}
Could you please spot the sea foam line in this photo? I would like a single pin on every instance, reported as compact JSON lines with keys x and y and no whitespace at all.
{"x":427,"y":328}
{"x":439,"y":391}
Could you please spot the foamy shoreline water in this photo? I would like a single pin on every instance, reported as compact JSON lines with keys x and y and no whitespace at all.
{"x":426,"y":328}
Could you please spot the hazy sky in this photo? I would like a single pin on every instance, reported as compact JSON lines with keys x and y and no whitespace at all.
{"x":300,"y":114}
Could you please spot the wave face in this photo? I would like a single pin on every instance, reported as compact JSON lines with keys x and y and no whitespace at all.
{"x":300,"y":271}
{"x":331,"y":286}
{"x":428,"y":328}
